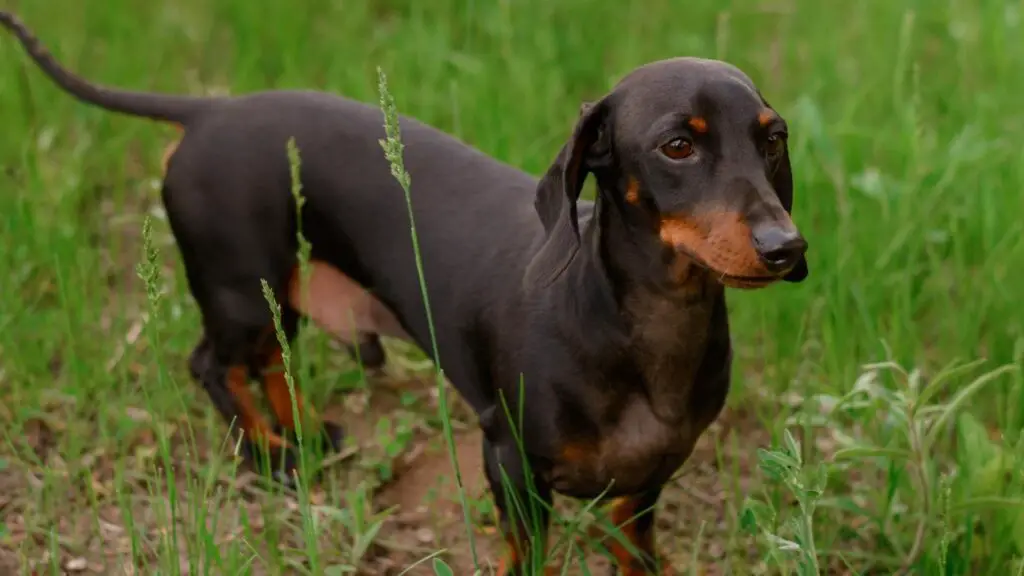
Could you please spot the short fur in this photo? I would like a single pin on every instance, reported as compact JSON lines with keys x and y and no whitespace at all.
{"x":612,"y":314}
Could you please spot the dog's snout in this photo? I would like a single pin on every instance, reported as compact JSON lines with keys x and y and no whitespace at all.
{"x":779,"y":249}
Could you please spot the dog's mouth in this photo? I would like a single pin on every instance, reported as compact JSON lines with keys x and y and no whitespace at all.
{"x":742,"y":281}
{"x":747,"y":282}
{"x":719,"y":244}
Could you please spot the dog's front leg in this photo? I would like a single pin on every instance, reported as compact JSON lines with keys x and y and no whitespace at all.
{"x":524,"y":506}
{"x":633,"y":516}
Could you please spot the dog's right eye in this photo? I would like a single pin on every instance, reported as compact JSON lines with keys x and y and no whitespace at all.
{"x":678,"y":149}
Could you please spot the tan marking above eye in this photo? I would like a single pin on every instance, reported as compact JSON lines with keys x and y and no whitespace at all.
{"x":698,"y":124}
{"x":765,"y":117}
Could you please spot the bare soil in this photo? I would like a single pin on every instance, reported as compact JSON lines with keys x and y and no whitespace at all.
{"x":419,"y":502}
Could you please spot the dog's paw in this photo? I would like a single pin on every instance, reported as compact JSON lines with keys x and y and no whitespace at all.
{"x":329,"y":438}
{"x":281,"y":464}
{"x":368,"y":351}
{"x":277,"y":463}
{"x":333,"y":436}
{"x":640,"y":568}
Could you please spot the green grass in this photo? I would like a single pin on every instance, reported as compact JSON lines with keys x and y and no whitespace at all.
{"x":906,"y":135}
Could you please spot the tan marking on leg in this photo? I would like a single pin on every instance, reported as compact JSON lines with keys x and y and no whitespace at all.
{"x":516,"y":557}
{"x":252,"y":422}
{"x":275,"y":388}
{"x":624,"y":512}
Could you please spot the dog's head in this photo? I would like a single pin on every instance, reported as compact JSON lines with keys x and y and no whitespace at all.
{"x":697,"y":159}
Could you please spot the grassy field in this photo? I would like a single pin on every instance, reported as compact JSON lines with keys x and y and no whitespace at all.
{"x":895,"y":369}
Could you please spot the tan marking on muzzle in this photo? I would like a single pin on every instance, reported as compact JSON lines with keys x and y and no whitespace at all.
{"x":721,"y":241}
{"x":340,"y":306}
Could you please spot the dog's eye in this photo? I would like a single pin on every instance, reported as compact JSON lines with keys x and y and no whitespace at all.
{"x":677,"y":149}
{"x":775,"y":146}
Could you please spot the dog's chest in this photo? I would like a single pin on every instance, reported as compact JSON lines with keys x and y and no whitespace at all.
{"x":646,"y":427}
{"x":636,"y":452}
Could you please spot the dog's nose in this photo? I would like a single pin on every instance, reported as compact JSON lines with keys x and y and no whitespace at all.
{"x":779,"y":249}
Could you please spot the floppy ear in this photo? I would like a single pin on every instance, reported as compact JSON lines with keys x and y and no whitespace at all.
{"x":557,"y":194}
{"x":782,"y":181}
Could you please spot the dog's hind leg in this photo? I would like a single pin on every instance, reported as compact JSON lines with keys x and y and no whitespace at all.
{"x":240,"y":344}
{"x":228,"y":389}
{"x":286,"y":401}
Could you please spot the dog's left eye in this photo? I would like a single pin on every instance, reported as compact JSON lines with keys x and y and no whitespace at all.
{"x":774,"y":147}
{"x":677,"y":149}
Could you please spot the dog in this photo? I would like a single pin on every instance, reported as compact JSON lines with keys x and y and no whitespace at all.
{"x":590,"y":338}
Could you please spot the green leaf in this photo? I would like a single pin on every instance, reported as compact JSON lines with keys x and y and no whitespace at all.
{"x":782,"y":543}
{"x":974,"y":448}
{"x":936,"y":383}
{"x":959,"y":400}
{"x":755,"y":515}
{"x":865,"y":452}
{"x":442,"y":569}
{"x":989,"y":504}
{"x":991,"y":479}
{"x":820,"y":479}
{"x":777,"y":460}
{"x":1018,"y":533}
{"x":792,"y":446}
{"x":365,"y":540}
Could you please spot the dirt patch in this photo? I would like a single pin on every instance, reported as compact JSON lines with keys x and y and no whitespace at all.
{"x":113,"y":505}
{"x":424,"y":497}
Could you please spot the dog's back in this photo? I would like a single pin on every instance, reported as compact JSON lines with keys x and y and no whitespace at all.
{"x":232,"y":165}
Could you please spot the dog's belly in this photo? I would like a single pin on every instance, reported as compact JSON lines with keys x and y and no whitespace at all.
{"x":638,"y":453}
{"x":340,"y":306}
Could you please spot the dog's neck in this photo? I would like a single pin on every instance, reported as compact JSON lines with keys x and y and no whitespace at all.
{"x":664,"y":310}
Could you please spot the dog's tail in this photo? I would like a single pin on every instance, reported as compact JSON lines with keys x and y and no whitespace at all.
{"x":175,"y":109}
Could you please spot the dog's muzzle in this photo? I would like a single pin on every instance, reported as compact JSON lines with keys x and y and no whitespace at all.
{"x":778,"y":248}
